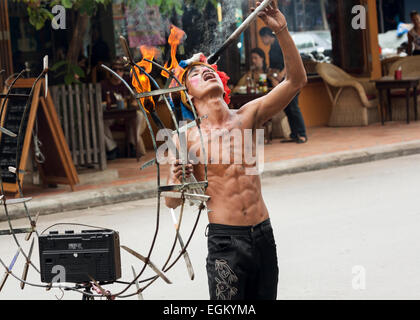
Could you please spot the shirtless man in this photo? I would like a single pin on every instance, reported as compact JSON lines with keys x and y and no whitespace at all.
{"x":242,"y":257}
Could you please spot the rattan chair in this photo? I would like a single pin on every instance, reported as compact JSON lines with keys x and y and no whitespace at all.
{"x":354,"y":101}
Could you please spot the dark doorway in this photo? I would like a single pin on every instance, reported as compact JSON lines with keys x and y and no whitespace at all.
{"x":390,"y":14}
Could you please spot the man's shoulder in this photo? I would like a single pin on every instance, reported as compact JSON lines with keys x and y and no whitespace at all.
{"x":248,"y":111}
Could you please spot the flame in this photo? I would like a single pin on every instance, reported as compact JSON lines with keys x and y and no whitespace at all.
{"x":144,"y":85}
{"x":174,"y":40}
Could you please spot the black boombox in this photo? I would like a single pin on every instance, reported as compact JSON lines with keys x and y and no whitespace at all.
{"x":76,"y":258}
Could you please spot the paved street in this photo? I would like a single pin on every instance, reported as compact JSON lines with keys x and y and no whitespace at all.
{"x":328,"y":224}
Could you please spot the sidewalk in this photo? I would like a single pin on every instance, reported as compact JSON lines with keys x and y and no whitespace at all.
{"x":326,"y":148}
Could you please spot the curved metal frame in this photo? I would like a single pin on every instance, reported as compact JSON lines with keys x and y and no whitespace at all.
{"x":182,"y":188}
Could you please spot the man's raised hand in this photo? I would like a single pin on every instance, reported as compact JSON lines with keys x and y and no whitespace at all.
{"x":272,"y":16}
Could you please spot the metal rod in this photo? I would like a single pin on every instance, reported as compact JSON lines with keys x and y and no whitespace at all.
{"x":159,"y":92}
{"x":182,"y":244}
{"x":9,"y":232}
{"x":186,"y":186}
{"x":179,"y":195}
{"x":14,"y":95}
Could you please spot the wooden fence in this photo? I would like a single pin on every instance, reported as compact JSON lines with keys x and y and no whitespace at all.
{"x":81,"y":115}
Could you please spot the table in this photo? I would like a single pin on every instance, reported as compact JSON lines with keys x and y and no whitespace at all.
{"x":387,"y":83}
{"x":127,"y":115}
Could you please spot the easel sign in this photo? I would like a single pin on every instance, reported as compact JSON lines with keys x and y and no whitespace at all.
{"x":57,"y":167}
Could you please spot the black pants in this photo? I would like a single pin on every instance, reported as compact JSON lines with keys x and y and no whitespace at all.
{"x":242,"y":262}
{"x":295,"y":119}
{"x":416,"y":53}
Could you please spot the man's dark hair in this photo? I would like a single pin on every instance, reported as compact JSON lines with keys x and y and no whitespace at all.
{"x":266,"y":31}
{"x":413,"y":14}
{"x":261,"y":53}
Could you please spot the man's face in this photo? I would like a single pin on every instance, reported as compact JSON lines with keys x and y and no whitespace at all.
{"x":416,"y":20}
{"x":200,"y":80}
{"x":267,"y":40}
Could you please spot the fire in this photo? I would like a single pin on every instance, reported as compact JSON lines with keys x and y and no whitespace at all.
{"x":174,"y":40}
{"x":145,"y":86}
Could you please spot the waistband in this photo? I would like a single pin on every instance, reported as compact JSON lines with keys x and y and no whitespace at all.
{"x":214,"y":228}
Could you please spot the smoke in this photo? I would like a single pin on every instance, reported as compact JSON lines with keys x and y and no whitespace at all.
{"x":228,"y":25}
{"x":205,"y":33}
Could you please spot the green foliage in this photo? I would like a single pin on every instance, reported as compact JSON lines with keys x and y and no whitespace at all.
{"x":38,"y":16}
{"x":40,"y":11}
{"x":71,"y":72}
{"x":167,"y":7}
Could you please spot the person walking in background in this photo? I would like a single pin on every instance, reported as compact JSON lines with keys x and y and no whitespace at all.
{"x":414,"y":35}
{"x":294,"y":115}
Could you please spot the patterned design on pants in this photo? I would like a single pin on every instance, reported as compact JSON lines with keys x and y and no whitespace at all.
{"x":224,"y":288}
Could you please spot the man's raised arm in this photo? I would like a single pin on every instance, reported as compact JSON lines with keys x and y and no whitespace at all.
{"x":281,"y":95}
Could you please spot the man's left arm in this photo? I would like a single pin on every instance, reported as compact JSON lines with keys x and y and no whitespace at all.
{"x":275,"y":101}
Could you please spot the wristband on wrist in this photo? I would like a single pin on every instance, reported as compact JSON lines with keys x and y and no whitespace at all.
{"x":281,"y":30}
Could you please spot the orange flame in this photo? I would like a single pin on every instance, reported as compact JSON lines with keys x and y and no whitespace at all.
{"x":144,"y":85}
{"x":174,"y":40}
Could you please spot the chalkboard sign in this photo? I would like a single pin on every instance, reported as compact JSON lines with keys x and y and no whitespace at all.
{"x":11,"y":147}
{"x":58,"y":166}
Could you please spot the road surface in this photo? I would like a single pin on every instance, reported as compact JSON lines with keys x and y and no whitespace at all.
{"x":345,"y":233}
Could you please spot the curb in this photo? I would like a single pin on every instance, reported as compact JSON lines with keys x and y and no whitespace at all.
{"x":80,"y":200}
{"x":87,"y":199}
{"x":340,"y":159}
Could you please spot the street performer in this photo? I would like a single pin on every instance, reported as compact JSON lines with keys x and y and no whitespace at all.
{"x":242,"y":257}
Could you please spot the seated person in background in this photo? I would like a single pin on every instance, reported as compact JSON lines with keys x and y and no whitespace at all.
{"x":414,"y":35}
{"x":259,"y":66}
{"x":110,"y":88}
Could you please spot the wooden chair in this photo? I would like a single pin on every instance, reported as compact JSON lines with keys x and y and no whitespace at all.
{"x":410,"y":68}
{"x":354,"y":101}
{"x":310,"y":66}
{"x":80,"y":111}
{"x":388,"y":62}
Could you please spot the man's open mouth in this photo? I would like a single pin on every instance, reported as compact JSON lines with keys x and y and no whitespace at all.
{"x":208,"y":75}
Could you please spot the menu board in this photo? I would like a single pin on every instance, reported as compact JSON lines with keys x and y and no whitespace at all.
{"x":9,"y":148}
{"x":19,"y":113}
